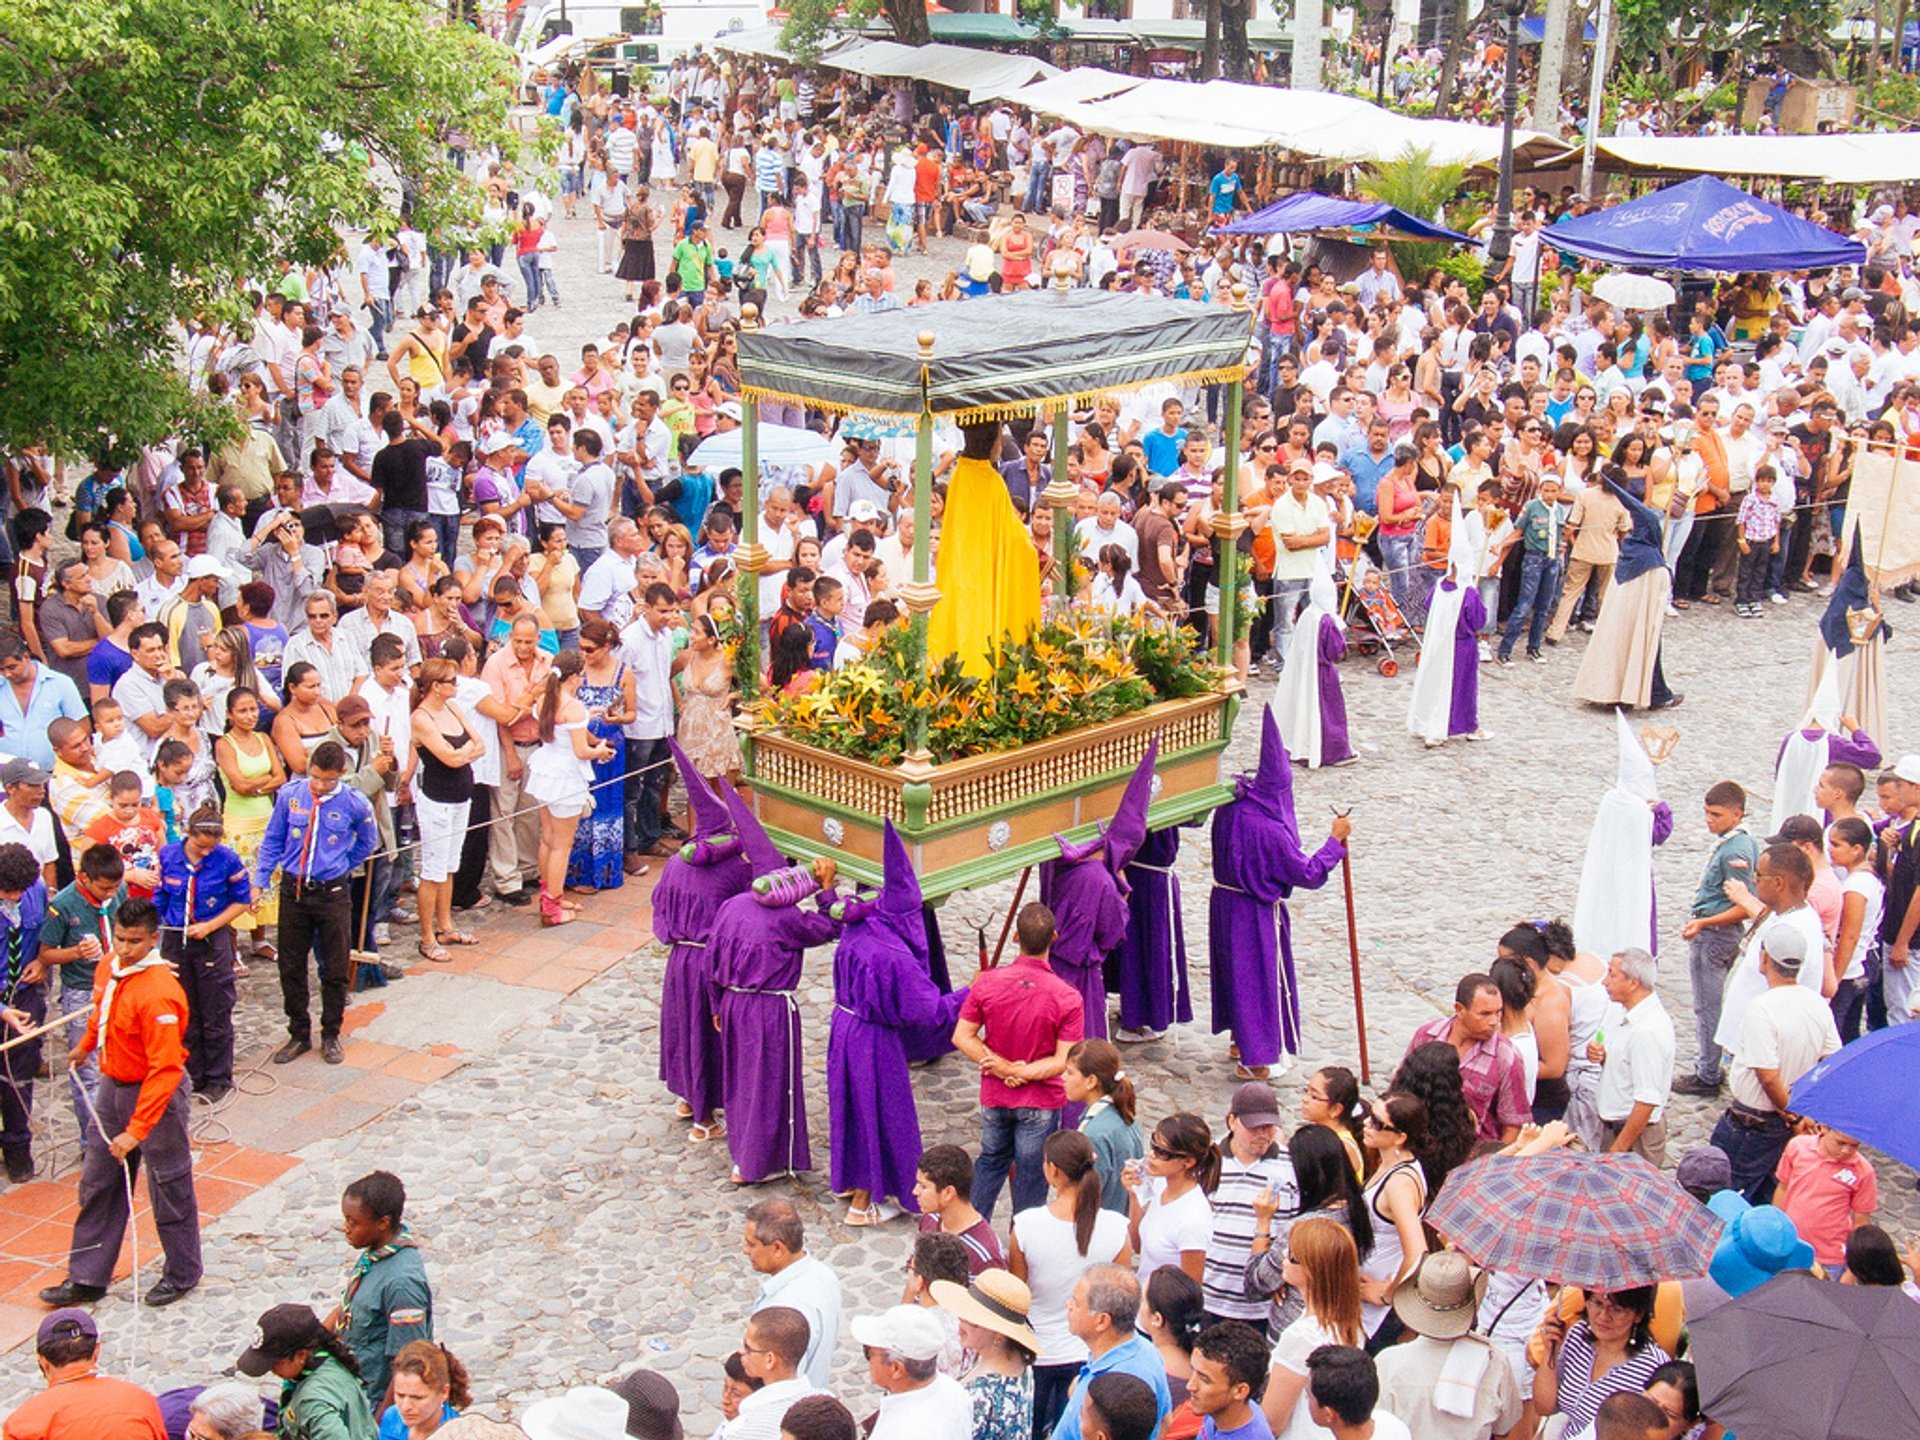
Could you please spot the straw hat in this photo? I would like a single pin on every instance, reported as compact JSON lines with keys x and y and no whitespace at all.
{"x":1442,"y":1296}
{"x":997,"y":1300}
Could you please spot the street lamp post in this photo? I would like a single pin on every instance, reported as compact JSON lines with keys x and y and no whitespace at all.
{"x":1500,"y":243}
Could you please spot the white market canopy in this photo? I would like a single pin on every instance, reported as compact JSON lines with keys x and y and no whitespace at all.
{"x":1315,"y":124}
{"x":982,"y":74}
{"x":1858,"y":159}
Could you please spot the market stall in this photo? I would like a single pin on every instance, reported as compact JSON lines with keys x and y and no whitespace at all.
{"x":1703,"y":224}
{"x":823,"y":776}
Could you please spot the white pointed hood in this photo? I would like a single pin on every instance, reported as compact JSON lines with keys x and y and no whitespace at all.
{"x":1614,"y":907}
{"x":1637,"y":775}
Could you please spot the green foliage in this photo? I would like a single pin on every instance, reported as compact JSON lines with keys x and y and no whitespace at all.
{"x":1466,"y":267}
{"x":1413,"y":183}
{"x":1897,"y":95}
{"x":1657,"y":36}
{"x":158,"y":156}
{"x":812,"y":25}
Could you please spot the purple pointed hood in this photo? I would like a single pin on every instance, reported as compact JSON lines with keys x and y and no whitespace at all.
{"x":761,"y":854}
{"x":899,"y":900}
{"x":1128,"y":830}
{"x":1072,"y":852}
{"x":1271,"y":785}
{"x":710,"y":814}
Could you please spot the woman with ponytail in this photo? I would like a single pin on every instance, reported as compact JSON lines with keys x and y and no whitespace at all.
{"x":560,"y":778}
{"x":1171,"y":1218}
{"x":1173,"y":1313}
{"x":1093,"y":1078}
{"x":320,"y":1378}
{"x":1053,"y":1246}
{"x":1333,"y":1100}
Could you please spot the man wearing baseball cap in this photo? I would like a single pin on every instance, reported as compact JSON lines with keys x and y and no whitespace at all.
{"x":1785,"y":1032}
{"x":903,"y":1346}
{"x":79,"y":1400}
{"x":193,"y":616}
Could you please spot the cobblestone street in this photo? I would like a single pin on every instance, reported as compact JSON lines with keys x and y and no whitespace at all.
{"x":572,"y":1231}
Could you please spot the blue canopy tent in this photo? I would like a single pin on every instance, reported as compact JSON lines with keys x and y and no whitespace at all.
{"x":1703,"y":224}
{"x":1308,"y":210}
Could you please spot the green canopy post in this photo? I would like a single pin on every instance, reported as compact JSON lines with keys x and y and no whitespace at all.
{"x":752,"y":556}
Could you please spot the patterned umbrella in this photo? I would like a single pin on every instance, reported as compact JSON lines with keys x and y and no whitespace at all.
{"x":1605,"y":1222}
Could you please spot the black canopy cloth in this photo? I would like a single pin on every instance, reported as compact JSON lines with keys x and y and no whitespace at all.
{"x":993,"y":360}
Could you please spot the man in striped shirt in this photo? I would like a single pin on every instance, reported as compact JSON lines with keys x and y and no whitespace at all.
{"x":1251,"y":1165}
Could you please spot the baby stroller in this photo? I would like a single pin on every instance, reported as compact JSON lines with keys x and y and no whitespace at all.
{"x":1374,"y":621}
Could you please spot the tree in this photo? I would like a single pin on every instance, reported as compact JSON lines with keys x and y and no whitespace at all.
{"x":1413,"y":183}
{"x":160,"y":155}
{"x":810,"y":24}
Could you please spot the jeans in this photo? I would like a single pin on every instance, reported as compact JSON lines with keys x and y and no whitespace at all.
{"x":1754,"y":1144}
{"x":1400,"y":555}
{"x":1052,"y":1384}
{"x":381,"y":312}
{"x":806,"y":259}
{"x":646,"y":783}
{"x":530,"y":278}
{"x":1287,"y":595}
{"x":584,"y":557}
{"x":1012,"y":1137}
{"x":446,"y":529}
{"x":1677,"y":533}
{"x":82,"y":1079}
{"x":1039,"y":192}
{"x":1755,"y":561}
{"x":1849,"y":1003}
{"x":1710,"y":955}
{"x":394,"y":524}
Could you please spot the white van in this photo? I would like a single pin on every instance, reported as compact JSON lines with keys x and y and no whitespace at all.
{"x":657,"y":33}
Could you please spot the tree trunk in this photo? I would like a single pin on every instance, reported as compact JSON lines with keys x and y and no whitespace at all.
{"x":909,"y":21}
{"x":1309,"y":35}
{"x":1458,"y":29}
{"x":1235,"y":62}
{"x":1559,"y":34}
{"x":1210,"y":45}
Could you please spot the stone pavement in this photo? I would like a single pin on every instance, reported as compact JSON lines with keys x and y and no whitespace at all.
{"x":572,"y":1231}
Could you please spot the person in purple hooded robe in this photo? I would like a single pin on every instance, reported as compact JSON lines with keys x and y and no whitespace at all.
{"x":1152,"y":956}
{"x":709,"y":870}
{"x":759,"y":944}
{"x":1257,"y":862}
{"x":1087,"y":891}
{"x":881,"y":987}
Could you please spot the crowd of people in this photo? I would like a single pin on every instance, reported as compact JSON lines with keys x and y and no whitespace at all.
{"x":401,"y":655}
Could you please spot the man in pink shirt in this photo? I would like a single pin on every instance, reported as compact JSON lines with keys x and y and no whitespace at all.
{"x":1017,"y":1025}
{"x":1491,"y":1073}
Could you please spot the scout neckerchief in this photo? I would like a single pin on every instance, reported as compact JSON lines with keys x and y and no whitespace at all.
{"x":363,"y":1267}
{"x":310,"y":840}
{"x":116,"y":972}
{"x":16,"y":946}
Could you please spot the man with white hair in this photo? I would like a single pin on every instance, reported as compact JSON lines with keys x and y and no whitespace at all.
{"x":903,"y":1358}
{"x":225,"y":1411}
{"x":1636,"y":1062}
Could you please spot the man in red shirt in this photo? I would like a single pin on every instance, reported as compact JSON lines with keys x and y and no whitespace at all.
{"x":139,"y":1021}
{"x":926,"y":192}
{"x":79,"y":1402}
{"x":1017,"y":1025}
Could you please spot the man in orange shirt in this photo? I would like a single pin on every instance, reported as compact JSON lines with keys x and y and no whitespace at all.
{"x":139,"y":1022}
{"x":79,"y":1402}
{"x":926,"y":193}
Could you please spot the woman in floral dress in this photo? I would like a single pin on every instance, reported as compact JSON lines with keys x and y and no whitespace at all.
{"x":706,"y":703}
{"x":606,"y":689}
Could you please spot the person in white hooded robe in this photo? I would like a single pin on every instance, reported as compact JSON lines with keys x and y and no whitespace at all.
{"x":1614,"y":909}
{"x":1446,"y":688}
{"x":1308,"y":702}
{"x":1825,"y":737}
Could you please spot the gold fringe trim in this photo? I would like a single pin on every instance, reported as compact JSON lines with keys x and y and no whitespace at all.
{"x":1014,"y":410}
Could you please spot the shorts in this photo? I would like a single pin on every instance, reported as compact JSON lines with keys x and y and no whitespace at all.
{"x":567,"y":809}
{"x":569,"y":180}
{"x":443,"y":831}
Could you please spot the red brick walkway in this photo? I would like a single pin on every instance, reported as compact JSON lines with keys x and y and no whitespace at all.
{"x":311,"y":1101}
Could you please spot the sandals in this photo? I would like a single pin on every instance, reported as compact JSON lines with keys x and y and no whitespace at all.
{"x":457,"y":937}
{"x":1680,"y":604}
{"x":683,"y":1111}
{"x":435,"y":953}
{"x":1256,"y":1072}
{"x":1711,"y":598}
{"x":265,"y":952}
{"x":711,"y":1130}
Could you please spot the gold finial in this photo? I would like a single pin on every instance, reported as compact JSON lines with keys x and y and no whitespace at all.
{"x":926,"y":344}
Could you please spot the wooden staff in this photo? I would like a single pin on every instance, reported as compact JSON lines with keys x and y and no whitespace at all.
{"x":54,"y":1024}
{"x":1019,"y":894}
{"x":1353,"y":952}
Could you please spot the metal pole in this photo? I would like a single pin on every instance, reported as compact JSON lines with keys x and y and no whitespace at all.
{"x":1596,"y":94}
{"x":1500,"y":244}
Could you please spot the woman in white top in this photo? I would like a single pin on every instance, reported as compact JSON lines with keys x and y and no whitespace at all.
{"x":1396,"y":1127}
{"x":1171,"y":1219}
{"x":1581,"y":975}
{"x":1322,"y":1264}
{"x":1053,"y":1246}
{"x":1862,"y":896}
{"x":559,"y":777}
{"x":1516,"y":985}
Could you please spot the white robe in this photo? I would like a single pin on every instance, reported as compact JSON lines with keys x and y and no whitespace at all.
{"x":1803,"y":758}
{"x":1432,"y":702}
{"x":1296,"y":699}
{"x":1614,"y":908}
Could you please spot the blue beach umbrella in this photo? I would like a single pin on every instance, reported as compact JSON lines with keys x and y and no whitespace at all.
{"x":1865,"y":1089}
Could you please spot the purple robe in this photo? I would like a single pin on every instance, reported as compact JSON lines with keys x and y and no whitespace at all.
{"x":1463,"y":717}
{"x":756,"y":955}
{"x":1090,"y":919}
{"x":1335,"y":747}
{"x":685,"y":903}
{"x":1662,"y":828}
{"x":881,"y":988}
{"x":1152,"y":956}
{"x":1257,"y":862}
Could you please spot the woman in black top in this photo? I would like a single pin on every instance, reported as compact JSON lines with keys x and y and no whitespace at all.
{"x":445,"y":744}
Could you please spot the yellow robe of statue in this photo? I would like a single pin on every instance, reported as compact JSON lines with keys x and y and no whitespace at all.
{"x":988,"y":572}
